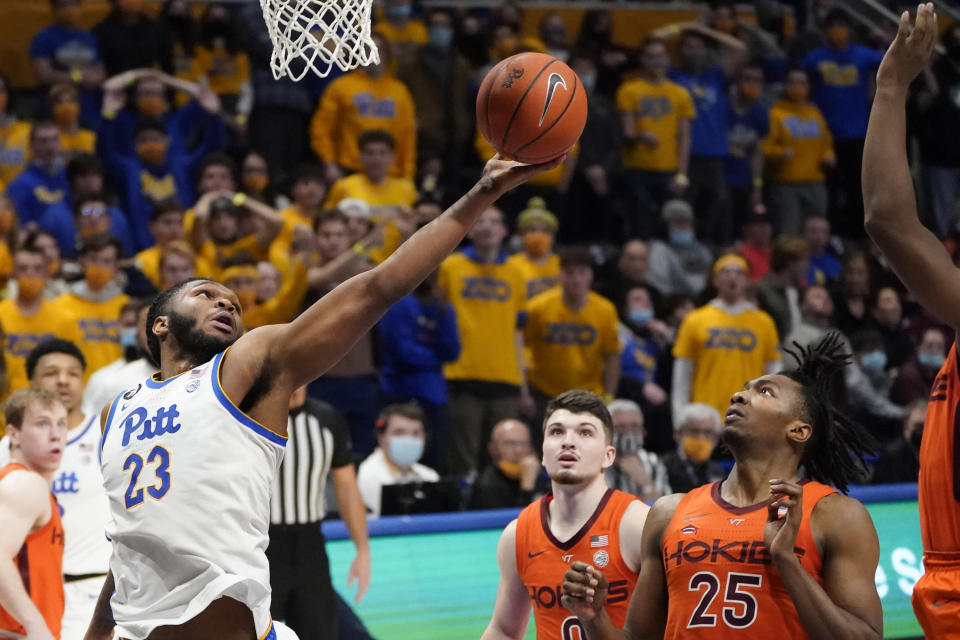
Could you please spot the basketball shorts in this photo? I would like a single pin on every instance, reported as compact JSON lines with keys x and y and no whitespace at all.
{"x":80,"y":599}
{"x":936,"y":596}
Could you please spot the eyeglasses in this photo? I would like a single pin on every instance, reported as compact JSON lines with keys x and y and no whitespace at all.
{"x":93,"y":211}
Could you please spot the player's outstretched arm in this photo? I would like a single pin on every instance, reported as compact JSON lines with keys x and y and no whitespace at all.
{"x":101,"y":625}
{"x":916,"y":255}
{"x":847,"y":605}
{"x":24,"y":502}
{"x":511,"y":613}
{"x":300,"y":351}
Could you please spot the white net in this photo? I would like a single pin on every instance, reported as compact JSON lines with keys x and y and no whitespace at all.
{"x":314,"y":35}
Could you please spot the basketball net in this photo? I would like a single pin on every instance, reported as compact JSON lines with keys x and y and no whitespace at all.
{"x":314,"y":35}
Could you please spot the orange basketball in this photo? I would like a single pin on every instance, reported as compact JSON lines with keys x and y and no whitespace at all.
{"x":531,"y":107}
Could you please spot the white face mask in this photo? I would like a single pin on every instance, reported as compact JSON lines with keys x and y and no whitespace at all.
{"x":403,"y":451}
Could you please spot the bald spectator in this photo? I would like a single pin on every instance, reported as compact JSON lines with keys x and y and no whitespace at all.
{"x":635,"y":470}
{"x":514,"y":476}
{"x":633,"y":269}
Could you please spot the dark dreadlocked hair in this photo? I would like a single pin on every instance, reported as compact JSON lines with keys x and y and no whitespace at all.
{"x":836,"y":450}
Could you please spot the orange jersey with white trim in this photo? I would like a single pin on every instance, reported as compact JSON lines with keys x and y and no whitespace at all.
{"x":40,"y":565}
{"x":938,"y":490}
{"x":542,"y":560}
{"x":721,"y":581}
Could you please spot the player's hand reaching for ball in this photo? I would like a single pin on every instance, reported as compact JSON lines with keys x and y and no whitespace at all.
{"x":911,"y":49}
{"x":500,"y":175}
{"x":780,"y":532}
{"x":584,"y":590}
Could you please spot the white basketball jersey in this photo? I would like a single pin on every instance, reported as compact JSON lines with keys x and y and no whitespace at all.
{"x":188,"y":476}
{"x":78,"y":487}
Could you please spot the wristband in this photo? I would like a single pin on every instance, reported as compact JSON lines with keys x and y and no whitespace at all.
{"x":359,"y":250}
{"x":607,"y":398}
{"x":76,"y":76}
{"x":758,"y":183}
{"x":239,"y":199}
{"x":682,"y":179}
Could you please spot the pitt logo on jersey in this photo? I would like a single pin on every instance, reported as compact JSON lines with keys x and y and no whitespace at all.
{"x":163,"y":422}
{"x":485,"y":288}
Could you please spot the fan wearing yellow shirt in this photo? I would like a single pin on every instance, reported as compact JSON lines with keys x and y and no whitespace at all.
{"x":14,"y":139}
{"x":64,"y":102}
{"x":797,"y":150}
{"x":29,"y":319}
{"x":96,"y":301}
{"x":655,"y":117}
{"x":486,"y":383}
{"x":373,"y":183}
{"x":367,"y":98}
{"x":724,"y":342}
{"x":537,"y":262}
{"x":220,"y":58}
{"x":308,"y":191}
{"x":572,"y":336}
{"x":166,"y":227}
{"x":244,"y":280}
{"x":402,"y":30}
{"x":217,"y":230}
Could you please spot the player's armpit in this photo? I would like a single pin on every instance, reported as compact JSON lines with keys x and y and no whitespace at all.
{"x":851,"y":552}
{"x":511,"y":613}
{"x":631,"y":528}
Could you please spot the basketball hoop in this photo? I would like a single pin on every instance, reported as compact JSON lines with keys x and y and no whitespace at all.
{"x":314,"y":35}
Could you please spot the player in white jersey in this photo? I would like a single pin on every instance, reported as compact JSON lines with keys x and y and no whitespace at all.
{"x":58,"y":365}
{"x":189,"y":456}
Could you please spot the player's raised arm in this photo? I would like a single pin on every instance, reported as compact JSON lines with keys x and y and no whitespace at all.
{"x":916,"y":255}
{"x":299,"y":352}
{"x":511,"y":613}
{"x":847,"y":605}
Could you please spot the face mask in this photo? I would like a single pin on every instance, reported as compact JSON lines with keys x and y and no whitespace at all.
{"x":66,"y":113}
{"x":837,"y":35}
{"x":405,"y":450}
{"x":512,"y":470}
{"x":152,"y":106}
{"x":255,"y":183}
{"x":97,"y":276}
{"x":30,"y":287}
{"x":247,"y":298}
{"x":53,"y":268}
{"x":130,"y":6}
{"x":682,"y":238}
{"x":537,"y":243}
{"x":750,"y":90}
{"x":797,"y":93}
{"x":640,"y":316}
{"x":152,"y":153}
{"x":6,"y":221}
{"x":128,"y":337}
{"x":628,"y":443}
{"x":589,"y":82}
{"x":930,"y":360}
{"x":68,"y":16}
{"x":697,"y":449}
{"x":440,"y":37}
{"x":398,"y":11}
{"x":874,"y":361}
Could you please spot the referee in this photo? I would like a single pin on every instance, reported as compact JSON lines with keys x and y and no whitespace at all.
{"x":303,"y":595}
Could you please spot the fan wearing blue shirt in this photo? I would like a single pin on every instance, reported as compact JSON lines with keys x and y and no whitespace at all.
{"x":63,"y":52}
{"x":748,"y":124}
{"x":86,"y":180}
{"x":709,"y":145}
{"x":43,"y":183}
{"x":418,"y":335}
{"x":842,"y":73}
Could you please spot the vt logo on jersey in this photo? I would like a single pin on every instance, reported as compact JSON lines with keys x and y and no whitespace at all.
{"x":555,"y":80}
{"x":743,"y":551}
{"x":161,"y":423}
{"x":549,"y":597}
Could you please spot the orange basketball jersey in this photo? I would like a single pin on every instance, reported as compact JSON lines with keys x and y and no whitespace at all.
{"x":721,"y":582}
{"x":40,"y":564}
{"x":542,"y":560}
{"x":938,"y":490}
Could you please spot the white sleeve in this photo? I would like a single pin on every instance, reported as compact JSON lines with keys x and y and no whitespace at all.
{"x":369,"y":489}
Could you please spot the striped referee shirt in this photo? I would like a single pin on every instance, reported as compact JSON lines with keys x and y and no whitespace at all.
{"x":319,"y":440}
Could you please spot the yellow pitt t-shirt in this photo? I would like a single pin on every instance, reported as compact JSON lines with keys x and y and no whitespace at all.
{"x":392,"y":192}
{"x":568,"y":347}
{"x":801,"y":129}
{"x":26,"y":332}
{"x":727,"y":351}
{"x":657,"y":108}
{"x":99,"y":324}
{"x":489,"y":300}
{"x":539,"y":277}
{"x":14,"y":150}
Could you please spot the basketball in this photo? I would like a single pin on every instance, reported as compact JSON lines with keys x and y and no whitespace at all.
{"x":531,"y":108}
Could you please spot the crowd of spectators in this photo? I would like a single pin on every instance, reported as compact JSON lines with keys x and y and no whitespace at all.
{"x":709,"y":218}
